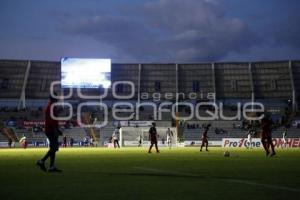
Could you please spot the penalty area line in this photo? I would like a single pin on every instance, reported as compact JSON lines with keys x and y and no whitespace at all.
{"x":228,"y":180}
{"x":167,"y":172}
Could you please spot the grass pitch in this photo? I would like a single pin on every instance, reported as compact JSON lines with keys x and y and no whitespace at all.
{"x":132,"y":173}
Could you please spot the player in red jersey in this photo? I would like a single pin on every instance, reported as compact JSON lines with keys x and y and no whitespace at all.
{"x":153,"y":138}
{"x":266,"y":136}
{"x":204,"y":137}
{"x":52,"y":132}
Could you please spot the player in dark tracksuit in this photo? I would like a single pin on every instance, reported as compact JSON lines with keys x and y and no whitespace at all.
{"x":153,"y":138}
{"x":204,"y":137}
{"x":52,"y":132}
{"x":266,"y":136}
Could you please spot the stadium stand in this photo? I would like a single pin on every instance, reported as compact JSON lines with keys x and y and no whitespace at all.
{"x":24,"y":90}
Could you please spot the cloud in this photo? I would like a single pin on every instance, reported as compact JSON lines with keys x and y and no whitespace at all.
{"x":167,"y":31}
{"x":280,"y":38}
{"x":287,"y":31}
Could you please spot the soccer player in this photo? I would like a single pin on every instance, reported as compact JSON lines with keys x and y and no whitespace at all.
{"x":91,"y":142}
{"x":153,"y":138}
{"x":85,"y":142}
{"x":115,"y":139}
{"x":10,"y":142}
{"x":52,"y":132}
{"x":204,"y":137}
{"x":140,"y":140}
{"x":169,"y":136}
{"x":266,"y":136}
{"x":23,"y":142}
{"x":284,"y":135}
{"x":64,"y":141}
{"x":249,"y":138}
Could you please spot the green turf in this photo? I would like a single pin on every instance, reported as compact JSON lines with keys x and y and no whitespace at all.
{"x":131,"y":173}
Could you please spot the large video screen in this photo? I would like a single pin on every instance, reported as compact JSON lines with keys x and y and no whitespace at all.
{"x":85,"y":73}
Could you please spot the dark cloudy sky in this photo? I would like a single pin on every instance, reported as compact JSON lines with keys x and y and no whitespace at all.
{"x":150,"y":31}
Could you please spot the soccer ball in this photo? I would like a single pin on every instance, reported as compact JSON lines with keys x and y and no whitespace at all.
{"x":226,"y":154}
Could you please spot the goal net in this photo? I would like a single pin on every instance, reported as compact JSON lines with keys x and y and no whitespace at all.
{"x":139,"y":136}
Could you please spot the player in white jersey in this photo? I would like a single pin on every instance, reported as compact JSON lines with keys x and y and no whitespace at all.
{"x":115,"y":138}
{"x":284,"y":139}
{"x":169,"y":135}
{"x":249,"y":139}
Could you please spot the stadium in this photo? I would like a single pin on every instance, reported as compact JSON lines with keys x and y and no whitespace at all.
{"x":25,"y":92}
{"x":149,"y":100}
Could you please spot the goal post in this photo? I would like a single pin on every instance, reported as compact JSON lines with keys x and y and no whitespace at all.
{"x":133,"y":136}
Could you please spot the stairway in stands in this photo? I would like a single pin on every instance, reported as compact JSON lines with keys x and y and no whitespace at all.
{"x":91,"y":132}
{"x":9,"y":133}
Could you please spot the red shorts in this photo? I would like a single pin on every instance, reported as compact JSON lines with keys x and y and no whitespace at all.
{"x":204,"y":140}
{"x":153,"y":140}
{"x":265,"y":138}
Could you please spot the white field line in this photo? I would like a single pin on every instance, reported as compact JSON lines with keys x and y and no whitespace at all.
{"x":229,"y":180}
{"x":167,"y":172}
